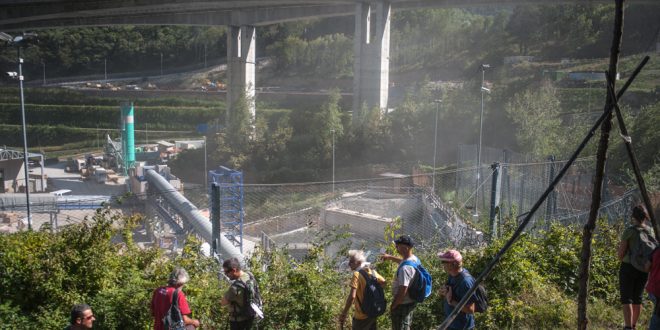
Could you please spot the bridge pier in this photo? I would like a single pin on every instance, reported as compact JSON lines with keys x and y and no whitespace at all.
{"x":372,"y":57}
{"x":241,"y":61}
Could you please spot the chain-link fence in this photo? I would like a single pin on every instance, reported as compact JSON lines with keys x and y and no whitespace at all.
{"x":294,"y":215}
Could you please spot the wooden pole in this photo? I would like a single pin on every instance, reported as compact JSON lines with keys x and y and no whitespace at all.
{"x":601,"y":157}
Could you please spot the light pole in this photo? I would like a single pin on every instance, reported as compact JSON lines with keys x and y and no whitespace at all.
{"x":435,"y":140}
{"x":161,"y":64}
{"x":43,"y":64}
{"x":481,"y":125}
{"x":105,"y":70}
{"x":333,"y":161}
{"x":18,"y":41}
{"x":206,"y":179}
{"x":204,"y":56}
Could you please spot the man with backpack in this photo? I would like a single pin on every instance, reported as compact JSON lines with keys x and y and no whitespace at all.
{"x":242,"y":297}
{"x":165,"y":307}
{"x":366,"y":294}
{"x":459,"y":283}
{"x":637,"y":243}
{"x":403,"y":305}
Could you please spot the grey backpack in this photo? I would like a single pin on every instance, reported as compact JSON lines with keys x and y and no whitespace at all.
{"x":641,"y":250}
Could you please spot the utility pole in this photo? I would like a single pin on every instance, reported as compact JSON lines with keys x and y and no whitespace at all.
{"x":481,"y":126}
{"x":435,"y":141}
{"x":333,"y":161}
{"x":43,"y":64}
{"x":206,"y":172}
{"x":161,"y":64}
{"x":105,"y":69}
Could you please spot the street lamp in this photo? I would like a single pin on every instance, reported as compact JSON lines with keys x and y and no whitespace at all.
{"x":481,"y":125}
{"x":18,"y":41}
{"x":435,"y":140}
{"x":105,"y":70}
{"x":206,"y":179}
{"x":333,"y":161}
{"x":43,"y":64}
{"x":161,"y":64}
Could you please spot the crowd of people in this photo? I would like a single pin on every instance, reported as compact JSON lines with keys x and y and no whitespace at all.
{"x":638,"y":252}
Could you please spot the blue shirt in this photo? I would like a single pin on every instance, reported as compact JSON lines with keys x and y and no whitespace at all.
{"x":460,"y":285}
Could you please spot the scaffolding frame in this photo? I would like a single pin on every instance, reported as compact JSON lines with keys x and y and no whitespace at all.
{"x":230,"y":203}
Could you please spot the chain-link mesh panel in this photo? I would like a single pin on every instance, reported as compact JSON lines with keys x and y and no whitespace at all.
{"x":295,"y":214}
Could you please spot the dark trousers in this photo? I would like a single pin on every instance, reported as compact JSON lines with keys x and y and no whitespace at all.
{"x":241,"y":325}
{"x":402,"y":316}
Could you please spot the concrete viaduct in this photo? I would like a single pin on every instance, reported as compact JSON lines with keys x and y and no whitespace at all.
{"x":371,"y":39}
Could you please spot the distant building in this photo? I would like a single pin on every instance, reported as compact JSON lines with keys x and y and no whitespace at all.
{"x":517,"y":59}
{"x":12,"y":172}
{"x":588,"y":75}
{"x":189,"y":144}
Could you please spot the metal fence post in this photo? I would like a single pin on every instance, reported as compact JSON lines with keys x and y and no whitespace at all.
{"x":495,"y":194}
{"x":507,"y":178}
{"x":549,"y":203}
{"x":215,"y":218}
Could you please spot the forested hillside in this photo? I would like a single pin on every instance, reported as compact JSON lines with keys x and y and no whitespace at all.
{"x":434,"y":55}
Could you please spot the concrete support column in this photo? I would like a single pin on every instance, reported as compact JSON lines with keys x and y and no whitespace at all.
{"x":372,"y":57}
{"x":241,"y":70}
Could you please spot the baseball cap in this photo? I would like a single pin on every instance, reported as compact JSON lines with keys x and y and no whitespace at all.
{"x":450,"y":256}
{"x":405,"y":239}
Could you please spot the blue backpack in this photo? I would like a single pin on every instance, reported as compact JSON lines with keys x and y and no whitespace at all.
{"x":420,"y":286}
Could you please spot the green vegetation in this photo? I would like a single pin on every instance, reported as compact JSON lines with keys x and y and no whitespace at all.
{"x":434,"y":54}
{"x":44,"y":274}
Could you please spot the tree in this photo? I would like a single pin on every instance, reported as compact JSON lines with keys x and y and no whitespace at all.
{"x":535,"y":111}
{"x":325,"y":122}
{"x":522,"y":18}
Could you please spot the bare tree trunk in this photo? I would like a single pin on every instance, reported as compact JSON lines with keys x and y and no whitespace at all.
{"x":601,"y":157}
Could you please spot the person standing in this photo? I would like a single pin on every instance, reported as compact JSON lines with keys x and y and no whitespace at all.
{"x":161,"y":301}
{"x":361,"y":321}
{"x":82,"y":317}
{"x":459,"y":283}
{"x":401,"y":310}
{"x":653,"y":287}
{"x":631,"y":279}
{"x":235,"y":296}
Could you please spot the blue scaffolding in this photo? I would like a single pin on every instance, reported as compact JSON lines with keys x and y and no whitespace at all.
{"x":230,"y":204}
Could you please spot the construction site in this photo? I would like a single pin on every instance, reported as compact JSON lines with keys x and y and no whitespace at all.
{"x":234,"y":218}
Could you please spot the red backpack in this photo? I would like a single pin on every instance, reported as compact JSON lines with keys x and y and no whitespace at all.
{"x":653,"y":285}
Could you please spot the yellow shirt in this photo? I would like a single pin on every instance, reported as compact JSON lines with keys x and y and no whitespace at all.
{"x":358,"y":283}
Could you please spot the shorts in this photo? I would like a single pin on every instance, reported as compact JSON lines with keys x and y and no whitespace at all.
{"x":631,"y":284}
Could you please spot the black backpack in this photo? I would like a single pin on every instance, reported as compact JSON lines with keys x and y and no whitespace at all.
{"x":373,"y":302}
{"x":480,"y":296}
{"x":173,"y":320}
{"x":251,"y":298}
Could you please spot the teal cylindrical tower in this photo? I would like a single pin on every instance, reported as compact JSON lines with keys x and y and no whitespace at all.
{"x":129,"y":133}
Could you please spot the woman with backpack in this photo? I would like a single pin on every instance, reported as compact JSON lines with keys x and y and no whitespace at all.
{"x":633,"y":252}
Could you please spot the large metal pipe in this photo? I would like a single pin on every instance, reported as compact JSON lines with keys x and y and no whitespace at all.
{"x":191,"y":215}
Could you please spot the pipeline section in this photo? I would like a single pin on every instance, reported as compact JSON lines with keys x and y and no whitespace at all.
{"x":191,"y":214}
